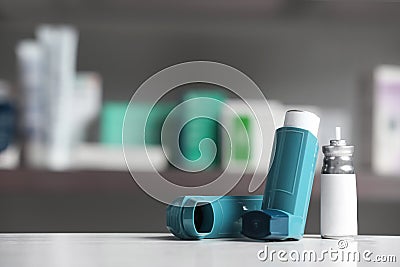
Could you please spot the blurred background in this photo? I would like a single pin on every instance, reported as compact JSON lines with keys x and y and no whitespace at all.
{"x":68,"y":69}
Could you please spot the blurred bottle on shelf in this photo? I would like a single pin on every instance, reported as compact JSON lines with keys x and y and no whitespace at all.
{"x":111,"y":122}
{"x":138,"y":128}
{"x":385,"y":99}
{"x":59,"y":45}
{"x":58,"y":102}
{"x":248,"y":146}
{"x":9,"y":151}
{"x":143,"y":118}
{"x":30,"y":69}
{"x":200,"y":140}
{"x":87,"y":98}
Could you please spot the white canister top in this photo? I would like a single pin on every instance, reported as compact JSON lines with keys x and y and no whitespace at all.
{"x":303,"y":120}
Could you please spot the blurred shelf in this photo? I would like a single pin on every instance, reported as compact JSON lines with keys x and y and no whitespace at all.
{"x":43,"y":181}
{"x":28,"y":181}
{"x":31,"y":181}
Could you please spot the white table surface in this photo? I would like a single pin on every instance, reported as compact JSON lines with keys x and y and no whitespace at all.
{"x":87,"y":250}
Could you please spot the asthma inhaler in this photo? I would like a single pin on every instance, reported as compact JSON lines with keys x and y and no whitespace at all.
{"x":338,"y":190}
{"x":198,"y":217}
{"x":289,"y":181}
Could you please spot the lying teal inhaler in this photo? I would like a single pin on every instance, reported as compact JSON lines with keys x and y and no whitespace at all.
{"x":198,"y":217}
{"x":289,"y":181}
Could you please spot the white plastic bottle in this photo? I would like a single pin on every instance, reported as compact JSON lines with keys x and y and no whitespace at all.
{"x":338,"y":190}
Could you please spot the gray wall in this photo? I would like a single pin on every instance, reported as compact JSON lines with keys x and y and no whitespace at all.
{"x":299,"y":52}
{"x":309,"y":53}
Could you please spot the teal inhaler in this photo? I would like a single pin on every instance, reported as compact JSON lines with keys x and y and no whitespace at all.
{"x":198,"y":217}
{"x":289,"y":181}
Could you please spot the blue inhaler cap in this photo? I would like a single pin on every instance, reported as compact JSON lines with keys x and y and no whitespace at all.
{"x":174,"y":218}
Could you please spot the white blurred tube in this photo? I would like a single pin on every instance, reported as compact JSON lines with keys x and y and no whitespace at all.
{"x":30,"y":69}
{"x":60,"y":51}
{"x":87,"y":102}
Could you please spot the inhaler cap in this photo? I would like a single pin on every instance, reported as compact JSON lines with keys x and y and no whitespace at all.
{"x":194,"y":217}
{"x":303,"y":120}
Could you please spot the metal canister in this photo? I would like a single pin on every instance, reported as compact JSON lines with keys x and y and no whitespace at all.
{"x":338,"y":158}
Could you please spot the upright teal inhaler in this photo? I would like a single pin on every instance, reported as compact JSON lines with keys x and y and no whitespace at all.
{"x":198,"y":217}
{"x":289,"y":181}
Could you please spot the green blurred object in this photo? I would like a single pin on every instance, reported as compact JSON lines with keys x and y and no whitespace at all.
{"x":112,"y":122}
{"x":203,"y":116}
{"x":155,"y":122}
{"x":241,"y":141}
